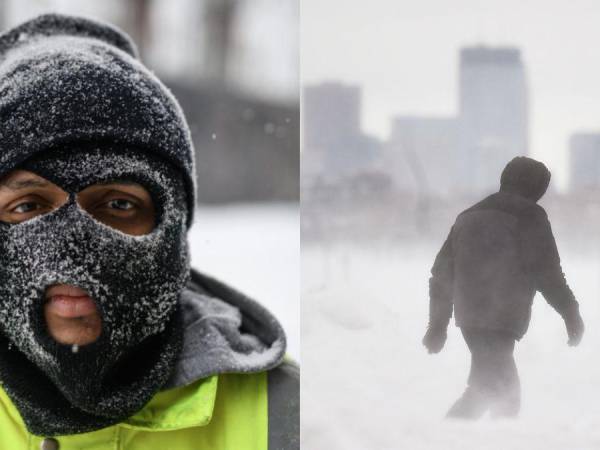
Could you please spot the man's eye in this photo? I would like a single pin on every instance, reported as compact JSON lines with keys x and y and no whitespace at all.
{"x":26,"y":207}
{"x":121,"y":203}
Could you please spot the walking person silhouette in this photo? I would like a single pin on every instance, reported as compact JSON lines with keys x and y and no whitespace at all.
{"x":498,"y":254}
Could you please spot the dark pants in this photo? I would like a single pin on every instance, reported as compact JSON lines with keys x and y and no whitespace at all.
{"x":493,"y":380}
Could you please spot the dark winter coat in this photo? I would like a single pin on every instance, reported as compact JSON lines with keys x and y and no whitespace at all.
{"x":498,"y":254}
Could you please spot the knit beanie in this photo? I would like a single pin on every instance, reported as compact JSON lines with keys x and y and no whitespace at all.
{"x":68,"y":79}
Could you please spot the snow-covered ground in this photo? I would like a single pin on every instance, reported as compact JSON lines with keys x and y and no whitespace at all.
{"x":256,"y":249}
{"x":367,"y":382}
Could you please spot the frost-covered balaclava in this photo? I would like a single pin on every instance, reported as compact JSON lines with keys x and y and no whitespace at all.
{"x":135,"y":282}
{"x":77,"y":108}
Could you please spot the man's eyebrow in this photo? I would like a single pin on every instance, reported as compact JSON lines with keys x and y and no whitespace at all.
{"x":16,"y":185}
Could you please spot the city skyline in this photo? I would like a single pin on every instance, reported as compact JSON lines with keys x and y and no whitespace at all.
{"x":457,"y":154}
{"x":408,"y":60}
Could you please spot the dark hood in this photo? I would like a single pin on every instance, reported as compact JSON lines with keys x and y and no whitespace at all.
{"x":224,"y":332}
{"x":526,"y":177}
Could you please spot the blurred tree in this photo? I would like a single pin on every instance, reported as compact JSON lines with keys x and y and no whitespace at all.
{"x":139,"y":25}
{"x":218,"y":22}
{"x":3,"y":21}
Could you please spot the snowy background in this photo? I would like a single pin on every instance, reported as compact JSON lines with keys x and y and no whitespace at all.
{"x":369,"y":383}
{"x":386,"y":82}
{"x":256,"y":249}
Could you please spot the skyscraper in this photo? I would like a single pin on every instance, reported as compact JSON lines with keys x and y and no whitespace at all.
{"x":584,"y":173}
{"x":334,"y":143}
{"x":493,"y":113}
{"x":331,"y":113}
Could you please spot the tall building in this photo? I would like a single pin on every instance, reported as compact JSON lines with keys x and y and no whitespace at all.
{"x":333,"y":142}
{"x":422,"y":152}
{"x":493,"y":113}
{"x":331,"y":113}
{"x":584,"y":170}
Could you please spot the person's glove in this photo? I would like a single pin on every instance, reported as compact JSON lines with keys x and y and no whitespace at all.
{"x":575,"y":327}
{"x":435,"y":338}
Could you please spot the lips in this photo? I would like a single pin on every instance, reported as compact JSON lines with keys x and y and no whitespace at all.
{"x":69,"y":302}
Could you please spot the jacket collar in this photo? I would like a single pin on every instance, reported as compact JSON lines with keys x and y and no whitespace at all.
{"x":224,"y":332}
{"x":178,"y":408}
{"x":174,"y":409}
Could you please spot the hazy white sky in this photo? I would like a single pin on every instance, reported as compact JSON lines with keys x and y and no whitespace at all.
{"x":405,"y":55}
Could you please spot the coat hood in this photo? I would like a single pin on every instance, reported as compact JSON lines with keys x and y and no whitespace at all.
{"x":526,"y":177}
{"x":224,"y":332}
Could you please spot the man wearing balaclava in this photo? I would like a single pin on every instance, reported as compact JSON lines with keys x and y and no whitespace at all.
{"x":498,"y":254}
{"x":108,"y":339}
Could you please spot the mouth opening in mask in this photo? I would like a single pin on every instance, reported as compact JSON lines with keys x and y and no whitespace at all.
{"x":71,"y":315}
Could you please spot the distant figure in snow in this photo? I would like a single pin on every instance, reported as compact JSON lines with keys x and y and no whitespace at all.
{"x":498,"y":254}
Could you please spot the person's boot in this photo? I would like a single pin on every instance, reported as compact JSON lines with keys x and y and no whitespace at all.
{"x":470,"y":406}
{"x":507,"y":406}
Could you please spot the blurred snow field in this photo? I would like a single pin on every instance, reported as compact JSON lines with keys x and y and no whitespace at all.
{"x":255,"y":248}
{"x":368,"y":383}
